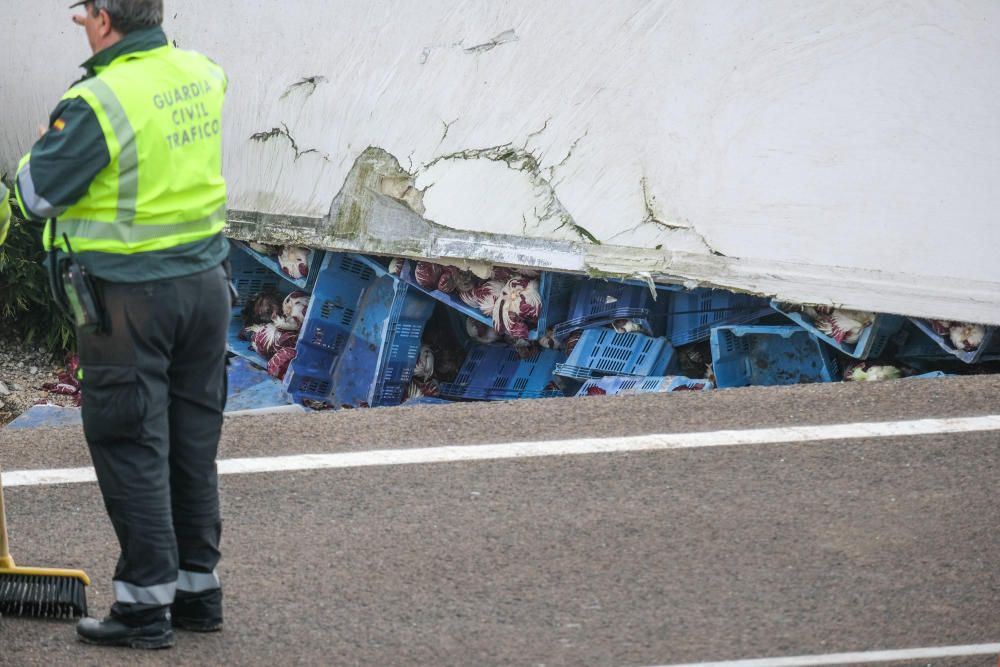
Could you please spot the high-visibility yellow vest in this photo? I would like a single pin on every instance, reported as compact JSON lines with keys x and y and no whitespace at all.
{"x":4,"y":213}
{"x":161,"y":114}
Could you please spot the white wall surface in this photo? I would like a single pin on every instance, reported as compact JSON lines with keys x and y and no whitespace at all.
{"x":833,"y":150}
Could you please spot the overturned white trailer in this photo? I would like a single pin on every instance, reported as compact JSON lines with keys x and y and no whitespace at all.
{"x":835,"y":151}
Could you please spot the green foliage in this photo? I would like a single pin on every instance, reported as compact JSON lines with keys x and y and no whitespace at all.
{"x":27,"y":309}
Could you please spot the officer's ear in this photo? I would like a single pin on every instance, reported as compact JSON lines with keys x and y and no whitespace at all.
{"x":104,"y":27}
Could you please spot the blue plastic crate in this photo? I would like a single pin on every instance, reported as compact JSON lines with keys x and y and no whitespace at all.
{"x":303,"y":384}
{"x":378,"y":264}
{"x":427,"y":400}
{"x":694,"y":313}
{"x":308,"y":376}
{"x":241,"y":375}
{"x":626,"y":385}
{"x":251,"y":388}
{"x":266,"y":394}
{"x":929,"y":376}
{"x":236,"y":345}
{"x":497,"y":373}
{"x":597,"y":303}
{"x":377,"y":363}
{"x":46,"y":416}
{"x":764,"y":356}
{"x":872,"y":341}
{"x":334,"y":302}
{"x":408,"y":275}
{"x":333,"y":307}
{"x":315,"y":263}
{"x":916,"y":346}
{"x":250,"y":278}
{"x":601,"y":352}
{"x":988,"y":351}
{"x":659,"y":287}
{"x":555,"y":290}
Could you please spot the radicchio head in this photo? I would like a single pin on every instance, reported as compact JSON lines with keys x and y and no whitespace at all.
{"x":427,"y":274}
{"x":262,"y":308}
{"x":487,"y":295}
{"x":265,"y":341}
{"x":278,"y":364}
{"x":446,"y":283}
{"x":294,"y":261}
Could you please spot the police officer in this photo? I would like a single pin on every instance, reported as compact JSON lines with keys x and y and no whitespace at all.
{"x":129,"y":174}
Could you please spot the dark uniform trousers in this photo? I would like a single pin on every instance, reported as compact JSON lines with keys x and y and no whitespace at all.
{"x":154,"y":389}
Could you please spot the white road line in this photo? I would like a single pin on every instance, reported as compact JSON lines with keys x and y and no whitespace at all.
{"x":516,"y":450}
{"x":855,"y":658}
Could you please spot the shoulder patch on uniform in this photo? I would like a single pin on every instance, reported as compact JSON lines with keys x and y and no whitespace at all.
{"x":59,"y":124}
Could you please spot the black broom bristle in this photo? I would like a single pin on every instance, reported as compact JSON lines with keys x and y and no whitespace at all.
{"x":40,"y":596}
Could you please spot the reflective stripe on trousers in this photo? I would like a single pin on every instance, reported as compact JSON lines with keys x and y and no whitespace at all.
{"x":197,"y":582}
{"x":159,"y":595}
{"x":163,"y":594}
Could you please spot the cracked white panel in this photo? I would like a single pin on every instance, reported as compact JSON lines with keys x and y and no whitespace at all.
{"x":476,"y":195}
{"x":835,"y":150}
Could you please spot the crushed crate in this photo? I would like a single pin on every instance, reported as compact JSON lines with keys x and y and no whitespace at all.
{"x":918,"y":346}
{"x":428,"y":400}
{"x":380,"y":265}
{"x":871,"y":342}
{"x":315,"y":263}
{"x":498,"y":373}
{"x":601,"y":352}
{"x":456,"y":324}
{"x":627,"y":385}
{"x":333,"y":306}
{"x":250,"y":278}
{"x":929,"y":376}
{"x":694,"y":313}
{"x":377,"y":363}
{"x":770,"y":355}
{"x":598,"y":303}
{"x":915,"y":347}
{"x":555,"y":289}
{"x":334,"y":302}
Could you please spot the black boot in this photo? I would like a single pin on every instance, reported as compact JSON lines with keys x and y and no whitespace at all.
{"x":114,"y":632}
{"x":198,"y":612}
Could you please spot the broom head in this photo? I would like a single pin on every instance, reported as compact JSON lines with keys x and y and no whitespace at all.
{"x":42,"y":592}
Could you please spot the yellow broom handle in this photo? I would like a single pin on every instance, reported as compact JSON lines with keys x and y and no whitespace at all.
{"x":4,"y":546}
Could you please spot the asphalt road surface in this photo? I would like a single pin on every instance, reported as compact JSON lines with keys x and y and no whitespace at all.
{"x":653,"y":557}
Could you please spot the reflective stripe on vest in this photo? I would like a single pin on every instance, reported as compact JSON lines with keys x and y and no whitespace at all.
{"x":158,"y":191}
{"x":28,"y":197}
{"x":128,"y":158}
{"x":4,"y":213}
{"x":86,"y":235}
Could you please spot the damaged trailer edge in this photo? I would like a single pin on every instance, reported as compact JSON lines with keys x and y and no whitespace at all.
{"x":378,"y":211}
{"x":835,"y":153}
{"x":874,"y":290}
